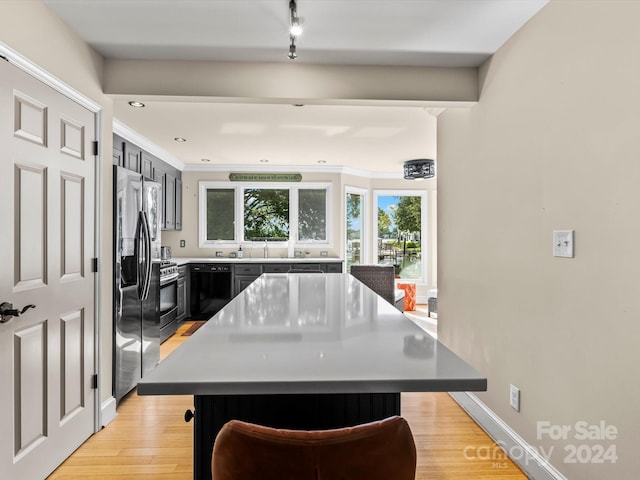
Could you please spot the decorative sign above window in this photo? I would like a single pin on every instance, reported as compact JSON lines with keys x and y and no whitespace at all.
{"x":265,"y":177}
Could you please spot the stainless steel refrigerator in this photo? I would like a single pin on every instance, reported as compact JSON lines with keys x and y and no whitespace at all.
{"x":136,"y":292}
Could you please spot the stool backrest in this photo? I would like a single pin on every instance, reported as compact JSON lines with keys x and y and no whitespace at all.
{"x":379,"y":278}
{"x":381,"y":450}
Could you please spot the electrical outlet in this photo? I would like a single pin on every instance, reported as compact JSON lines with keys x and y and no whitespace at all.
{"x":324,"y":253}
{"x":514,"y":397}
{"x":183,"y":243}
{"x":563,"y":243}
{"x":219,"y":254}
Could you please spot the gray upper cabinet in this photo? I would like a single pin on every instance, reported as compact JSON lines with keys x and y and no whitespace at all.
{"x":158,"y":176}
{"x":178,"y":204}
{"x":118,"y":151}
{"x":147,"y":166}
{"x":169,"y":201}
{"x":132,"y":157}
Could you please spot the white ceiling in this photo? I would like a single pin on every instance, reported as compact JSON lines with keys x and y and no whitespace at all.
{"x":445,"y":33}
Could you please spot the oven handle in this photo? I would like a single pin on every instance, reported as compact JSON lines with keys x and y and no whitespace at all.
{"x":169,"y":278}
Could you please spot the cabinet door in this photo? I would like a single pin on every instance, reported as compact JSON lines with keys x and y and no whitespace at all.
{"x":132,"y":158}
{"x":242,"y":282}
{"x":158,"y":176}
{"x":178,"y":204}
{"x":118,"y":153}
{"x":169,"y":202}
{"x":333,"y":268}
{"x":276,"y":267}
{"x":182,"y":299}
{"x":147,"y":166}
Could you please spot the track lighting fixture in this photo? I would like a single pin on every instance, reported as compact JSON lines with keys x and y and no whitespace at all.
{"x":295,"y":29}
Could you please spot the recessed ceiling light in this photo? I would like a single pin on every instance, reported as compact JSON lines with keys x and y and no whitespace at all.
{"x":298,"y":104}
{"x":136,"y":104}
{"x":205,"y":160}
{"x":264,"y":160}
{"x":180,"y":139}
{"x":322,"y":161}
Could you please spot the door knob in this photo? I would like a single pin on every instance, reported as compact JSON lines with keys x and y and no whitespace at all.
{"x":7,"y":311}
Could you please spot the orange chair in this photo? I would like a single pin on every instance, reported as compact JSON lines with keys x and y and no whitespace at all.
{"x":381,"y":450}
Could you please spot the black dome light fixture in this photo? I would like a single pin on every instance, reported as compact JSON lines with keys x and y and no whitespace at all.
{"x":419,"y":169}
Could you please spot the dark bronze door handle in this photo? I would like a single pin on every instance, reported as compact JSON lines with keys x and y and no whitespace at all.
{"x":7,"y":312}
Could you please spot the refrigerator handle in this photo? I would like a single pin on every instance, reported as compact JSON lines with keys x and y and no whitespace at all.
{"x":139,"y":247}
{"x":147,"y":255}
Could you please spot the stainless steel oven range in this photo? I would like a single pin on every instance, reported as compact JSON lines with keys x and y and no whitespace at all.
{"x":168,"y":299}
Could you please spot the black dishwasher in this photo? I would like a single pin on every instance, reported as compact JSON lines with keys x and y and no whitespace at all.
{"x":210,"y":289}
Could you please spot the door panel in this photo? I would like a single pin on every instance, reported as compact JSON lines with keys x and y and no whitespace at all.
{"x":30,"y":226}
{"x":30,"y":378}
{"x":30,"y":119}
{"x":47,"y":354}
{"x":71,"y":138}
{"x":72,"y":222}
{"x":72,"y":353}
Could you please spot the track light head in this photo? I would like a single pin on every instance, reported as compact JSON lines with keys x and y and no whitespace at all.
{"x":292,"y":51}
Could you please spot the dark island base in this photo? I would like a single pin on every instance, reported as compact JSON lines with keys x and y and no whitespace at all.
{"x":299,"y":412}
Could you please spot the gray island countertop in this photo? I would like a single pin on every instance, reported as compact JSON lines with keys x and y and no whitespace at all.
{"x":303,"y":333}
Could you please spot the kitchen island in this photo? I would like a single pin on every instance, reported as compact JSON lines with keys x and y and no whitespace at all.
{"x":304,"y":351}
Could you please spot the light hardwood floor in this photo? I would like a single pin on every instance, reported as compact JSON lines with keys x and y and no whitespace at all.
{"x":149,"y":440}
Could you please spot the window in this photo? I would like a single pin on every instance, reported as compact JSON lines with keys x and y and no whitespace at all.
{"x":220,"y":208}
{"x":355,"y":201}
{"x":312,"y":214}
{"x":400,"y":232}
{"x":266,"y":214}
{"x":231,"y":213}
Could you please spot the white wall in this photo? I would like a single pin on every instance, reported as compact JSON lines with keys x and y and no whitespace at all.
{"x":29,"y":28}
{"x":553,"y":143}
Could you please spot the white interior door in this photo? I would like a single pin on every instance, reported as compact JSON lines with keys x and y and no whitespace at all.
{"x":47,"y":171}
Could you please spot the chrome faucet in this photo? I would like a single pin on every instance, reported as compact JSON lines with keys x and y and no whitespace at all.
{"x":266,"y":248}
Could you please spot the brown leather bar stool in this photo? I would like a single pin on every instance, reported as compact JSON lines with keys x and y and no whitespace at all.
{"x":381,"y":450}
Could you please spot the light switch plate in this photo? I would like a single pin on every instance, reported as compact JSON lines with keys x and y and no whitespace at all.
{"x":563,"y":243}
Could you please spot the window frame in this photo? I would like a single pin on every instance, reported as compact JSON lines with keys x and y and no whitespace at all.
{"x":364,"y":213}
{"x":238,"y":214}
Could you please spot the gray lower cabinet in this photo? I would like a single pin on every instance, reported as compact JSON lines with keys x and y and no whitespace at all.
{"x":183,"y":293}
{"x":276,"y":267}
{"x":243,"y":275}
{"x":333,"y":267}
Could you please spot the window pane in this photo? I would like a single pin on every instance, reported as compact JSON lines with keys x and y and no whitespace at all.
{"x":220,"y":211}
{"x":399,"y":234}
{"x":266,"y":213}
{"x":312,"y":214}
{"x":354,"y":228}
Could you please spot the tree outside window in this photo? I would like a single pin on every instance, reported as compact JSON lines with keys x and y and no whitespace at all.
{"x":312,"y":214}
{"x":266,"y":213}
{"x":400,"y":234}
{"x":354,"y":229}
{"x":230,"y":213}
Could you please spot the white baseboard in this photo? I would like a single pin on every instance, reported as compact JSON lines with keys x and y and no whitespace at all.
{"x":526,"y":457}
{"x":108,"y":411}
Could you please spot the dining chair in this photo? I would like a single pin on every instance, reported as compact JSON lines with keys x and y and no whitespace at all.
{"x":381,"y":450}
{"x":380,"y":279}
